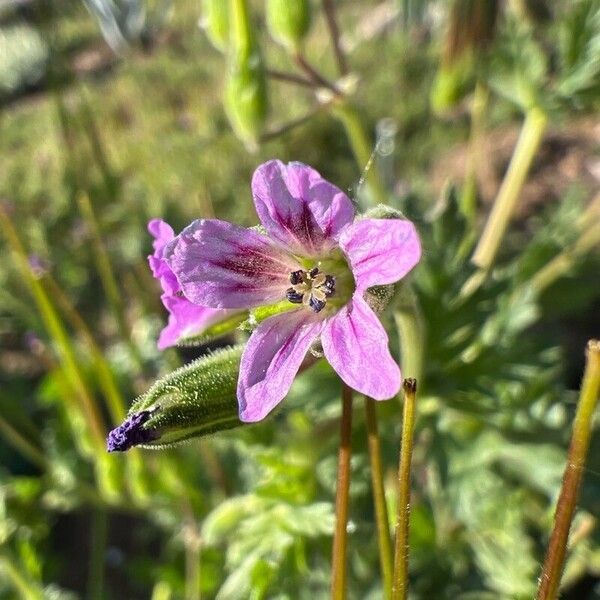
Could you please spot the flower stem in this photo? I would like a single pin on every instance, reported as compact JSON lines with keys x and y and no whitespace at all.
{"x":508,"y":194}
{"x":339,"y":575}
{"x":362,"y":148}
{"x":54,"y":326}
{"x":400,"y":580}
{"x":334,"y":32}
{"x":381,"y":512}
{"x":107,"y":275}
{"x":98,"y":539}
{"x":582,"y":429}
{"x":411,"y":333}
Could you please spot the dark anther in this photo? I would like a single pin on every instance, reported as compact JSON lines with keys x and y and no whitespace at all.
{"x":313,"y":272}
{"x":316,"y":305}
{"x":329,"y":285}
{"x":293,"y":296}
{"x":296,"y":277}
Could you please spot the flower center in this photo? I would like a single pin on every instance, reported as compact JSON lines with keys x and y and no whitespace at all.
{"x":311,"y":288}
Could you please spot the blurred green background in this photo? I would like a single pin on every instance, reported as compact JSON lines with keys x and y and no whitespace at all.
{"x":111,"y":113}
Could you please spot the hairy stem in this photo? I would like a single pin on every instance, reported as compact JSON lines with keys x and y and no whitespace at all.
{"x":339,"y":572}
{"x":381,"y":512}
{"x":549,"y":582}
{"x":400,"y":579}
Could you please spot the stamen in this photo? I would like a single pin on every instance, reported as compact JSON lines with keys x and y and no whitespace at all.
{"x":310,"y":288}
{"x":293,"y":296}
{"x":296,"y":277}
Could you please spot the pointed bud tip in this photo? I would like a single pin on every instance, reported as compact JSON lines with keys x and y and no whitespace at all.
{"x":131,"y":433}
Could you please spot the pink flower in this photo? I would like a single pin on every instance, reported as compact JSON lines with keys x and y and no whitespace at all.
{"x":185,"y":319}
{"x":317,"y":259}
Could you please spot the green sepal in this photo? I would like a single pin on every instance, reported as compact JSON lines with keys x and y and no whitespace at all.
{"x":193,"y":401}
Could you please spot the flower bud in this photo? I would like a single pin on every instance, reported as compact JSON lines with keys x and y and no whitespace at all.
{"x":195,"y":400}
{"x":288,"y":21}
{"x":246,"y":100}
{"x":216,"y":23}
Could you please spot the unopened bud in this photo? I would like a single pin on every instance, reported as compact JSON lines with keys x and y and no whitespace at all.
{"x":288,"y":21}
{"x":216,"y":22}
{"x":195,"y":400}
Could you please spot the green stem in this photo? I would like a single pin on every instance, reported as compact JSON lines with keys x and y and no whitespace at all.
{"x":529,"y":142}
{"x":381,"y":512}
{"x":411,"y":333}
{"x":567,"y":502}
{"x":98,"y":538}
{"x":340,"y":539}
{"x":107,"y":275}
{"x":21,"y":583}
{"x":400,"y":579}
{"x":564,"y":262}
{"x":56,"y":332}
{"x":334,"y":32}
{"x":362,"y":147}
{"x":468,"y":199}
{"x":23,"y":445}
{"x":114,"y":399}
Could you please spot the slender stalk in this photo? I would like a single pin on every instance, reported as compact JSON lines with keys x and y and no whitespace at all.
{"x":22,"y":584}
{"x":334,"y":32}
{"x":549,"y":581}
{"x":287,"y":127}
{"x":23,"y":445}
{"x":508,"y":194}
{"x":400,"y":579}
{"x":289,"y":78}
{"x":381,"y":512}
{"x":115,"y":401}
{"x":411,"y":333}
{"x":469,"y":193}
{"x":107,"y":275}
{"x":56,"y":331}
{"x":339,"y":573}
{"x":317,"y":78}
{"x":98,"y":539}
{"x":362,"y":148}
{"x":564,"y":262}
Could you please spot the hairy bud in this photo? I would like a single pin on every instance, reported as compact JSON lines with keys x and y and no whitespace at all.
{"x":195,"y":400}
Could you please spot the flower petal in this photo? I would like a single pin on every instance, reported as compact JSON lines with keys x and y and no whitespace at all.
{"x":222,"y":265}
{"x":271,"y":360}
{"x":299,"y":208}
{"x":380,"y":251}
{"x":356,"y":345}
{"x":163,"y":234}
{"x":186,"y":320}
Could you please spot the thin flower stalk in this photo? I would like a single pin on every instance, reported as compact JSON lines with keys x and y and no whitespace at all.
{"x":56,"y":331}
{"x":549,"y":582}
{"x":362,"y":149}
{"x":340,"y":539}
{"x":381,"y":512}
{"x":107,"y":275}
{"x":400,"y":579}
{"x":334,"y":32}
{"x":527,"y":146}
